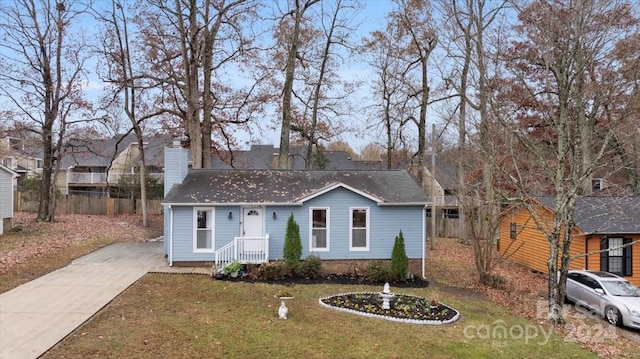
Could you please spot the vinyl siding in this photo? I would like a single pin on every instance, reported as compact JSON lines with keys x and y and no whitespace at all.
{"x":183,"y":234}
{"x":226,"y":229}
{"x":530,"y":248}
{"x":6,"y":194}
{"x":385,"y":223}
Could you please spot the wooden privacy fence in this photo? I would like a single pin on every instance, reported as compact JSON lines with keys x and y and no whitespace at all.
{"x":75,"y":204}
{"x":445,"y":227}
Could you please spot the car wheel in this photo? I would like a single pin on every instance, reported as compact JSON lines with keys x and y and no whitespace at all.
{"x":612,"y":315}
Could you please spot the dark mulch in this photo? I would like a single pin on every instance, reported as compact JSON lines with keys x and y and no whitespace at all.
{"x":401,"y":306}
{"x":330,"y":279}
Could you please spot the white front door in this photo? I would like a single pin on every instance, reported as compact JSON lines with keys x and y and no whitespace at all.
{"x":252,"y":222}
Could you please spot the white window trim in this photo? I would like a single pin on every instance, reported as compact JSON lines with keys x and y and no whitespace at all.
{"x":328,"y":248}
{"x":351,"y":247}
{"x":212,"y":217}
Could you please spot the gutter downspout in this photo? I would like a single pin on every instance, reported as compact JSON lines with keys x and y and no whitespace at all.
{"x":170,"y":237}
{"x":424,"y":242}
{"x":586,"y":250}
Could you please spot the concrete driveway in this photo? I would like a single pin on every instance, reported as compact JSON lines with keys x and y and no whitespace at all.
{"x":37,"y":315}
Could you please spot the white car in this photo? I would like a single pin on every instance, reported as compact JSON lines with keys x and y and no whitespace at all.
{"x":611,"y":296}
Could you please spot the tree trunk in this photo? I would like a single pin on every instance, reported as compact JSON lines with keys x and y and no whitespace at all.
{"x":285,"y":131}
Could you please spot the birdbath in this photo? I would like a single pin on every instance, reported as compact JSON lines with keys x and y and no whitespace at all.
{"x":386,"y":296}
{"x":283,"y":310}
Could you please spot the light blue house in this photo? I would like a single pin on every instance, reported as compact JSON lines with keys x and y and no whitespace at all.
{"x":218,"y":215}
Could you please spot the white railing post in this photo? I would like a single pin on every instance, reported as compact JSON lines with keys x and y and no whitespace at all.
{"x":235,"y":248}
{"x":243,"y":249}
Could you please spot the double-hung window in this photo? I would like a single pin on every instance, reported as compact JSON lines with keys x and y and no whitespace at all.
{"x":319,"y":229}
{"x":203,"y":223}
{"x":616,"y":260}
{"x":359,"y":229}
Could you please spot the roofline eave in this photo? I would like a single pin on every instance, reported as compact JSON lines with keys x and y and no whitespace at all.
{"x":403,"y":204}
{"x":231,"y":204}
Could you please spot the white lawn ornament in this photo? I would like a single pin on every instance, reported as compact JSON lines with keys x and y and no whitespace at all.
{"x":283,"y":310}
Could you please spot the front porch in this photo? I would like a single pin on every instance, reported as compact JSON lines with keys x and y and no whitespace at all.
{"x":244,"y":250}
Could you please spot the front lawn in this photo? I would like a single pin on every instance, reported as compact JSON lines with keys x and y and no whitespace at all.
{"x":190,"y":316}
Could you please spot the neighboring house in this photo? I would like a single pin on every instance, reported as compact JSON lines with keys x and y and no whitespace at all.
{"x":601,"y":223}
{"x":19,"y":157}
{"x":7,"y":190}
{"x":345,"y":217}
{"x":95,"y":167}
{"x":260,"y":157}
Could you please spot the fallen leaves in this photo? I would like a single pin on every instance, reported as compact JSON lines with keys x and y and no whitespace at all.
{"x":31,"y":239}
{"x":452,"y":264}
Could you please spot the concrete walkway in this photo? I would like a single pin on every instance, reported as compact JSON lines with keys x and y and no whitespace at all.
{"x":38,"y":314}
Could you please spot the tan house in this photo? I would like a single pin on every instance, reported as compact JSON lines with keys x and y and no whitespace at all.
{"x":601,"y":223}
{"x":20,"y":157}
{"x":96,"y":167}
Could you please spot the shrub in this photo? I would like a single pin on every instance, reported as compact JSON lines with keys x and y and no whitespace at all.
{"x":378,"y":271}
{"x":276,"y":270}
{"x":292,"y":244}
{"x":399,"y":259}
{"x":234,"y":266}
{"x":311,"y":267}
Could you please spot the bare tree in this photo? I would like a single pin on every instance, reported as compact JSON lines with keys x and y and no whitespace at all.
{"x":371,"y":152}
{"x":392,"y":109}
{"x":42,"y":62}
{"x":188,"y":45}
{"x":126,"y":82}
{"x":336,"y":33}
{"x":297,"y":13}
{"x":555,"y":66}
{"x":470,"y":25}
{"x":417,"y":34}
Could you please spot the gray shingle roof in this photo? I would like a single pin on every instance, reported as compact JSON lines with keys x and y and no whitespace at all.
{"x":99,"y":153}
{"x":615,"y":215}
{"x":261,"y":157}
{"x":209,"y":186}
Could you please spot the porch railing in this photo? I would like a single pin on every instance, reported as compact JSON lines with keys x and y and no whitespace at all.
{"x":244,"y":250}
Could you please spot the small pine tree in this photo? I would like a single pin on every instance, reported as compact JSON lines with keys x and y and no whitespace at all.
{"x":292,"y":244}
{"x":399,"y":259}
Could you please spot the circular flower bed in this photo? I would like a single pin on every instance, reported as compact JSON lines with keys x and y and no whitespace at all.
{"x":404,"y":308}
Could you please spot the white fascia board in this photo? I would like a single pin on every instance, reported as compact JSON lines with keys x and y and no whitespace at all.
{"x":336,"y":185}
{"x":294,"y":204}
{"x":403,"y":204}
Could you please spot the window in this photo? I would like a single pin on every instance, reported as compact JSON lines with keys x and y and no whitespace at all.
{"x":319,"y":229}
{"x":577,"y":277}
{"x":203,"y":240}
{"x":597,"y":184}
{"x":616,"y":260}
{"x":592,"y":283}
{"x":359,"y":229}
{"x":450,"y":213}
{"x":39,"y":164}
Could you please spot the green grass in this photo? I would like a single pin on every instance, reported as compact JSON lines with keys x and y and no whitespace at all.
{"x":191,"y":316}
